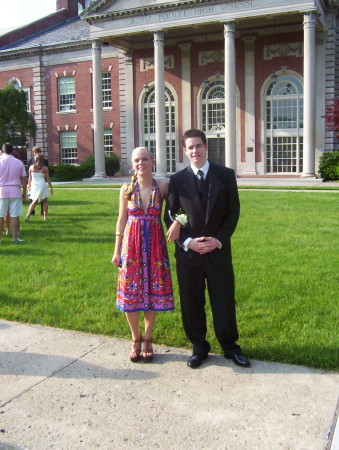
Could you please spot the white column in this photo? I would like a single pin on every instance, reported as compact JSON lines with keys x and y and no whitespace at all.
{"x":99,"y":153}
{"x":160,"y":125}
{"x":186,"y":85}
{"x":126,"y":98}
{"x":249,"y":105}
{"x":309,"y":94}
{"x":230,"y":97}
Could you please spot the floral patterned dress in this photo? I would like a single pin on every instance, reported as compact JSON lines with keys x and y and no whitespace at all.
{"x":144,"y":277}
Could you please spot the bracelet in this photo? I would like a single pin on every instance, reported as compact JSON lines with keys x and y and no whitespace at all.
{"x":118,"y":233}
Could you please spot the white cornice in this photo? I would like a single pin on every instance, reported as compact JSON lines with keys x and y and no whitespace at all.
{"x":89,"y":14}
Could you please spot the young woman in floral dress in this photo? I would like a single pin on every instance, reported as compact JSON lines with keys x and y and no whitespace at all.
{"x":144,"y":277}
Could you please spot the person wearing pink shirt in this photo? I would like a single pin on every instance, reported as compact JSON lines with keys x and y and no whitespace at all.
{"x":12,"y":176}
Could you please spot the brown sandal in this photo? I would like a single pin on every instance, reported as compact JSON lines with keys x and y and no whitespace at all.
{"x":135,"y":352}
{"x":147,"y":351}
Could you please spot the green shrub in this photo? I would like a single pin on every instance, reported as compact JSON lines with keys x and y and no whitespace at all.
{"x":112,"y":164}
{"x":329,"y":166}
{"x":67,"y":172}
{"x":51,"y":169}
{"x":87,"y":167}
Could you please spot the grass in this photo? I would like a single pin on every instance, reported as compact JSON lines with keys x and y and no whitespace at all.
{"x":280,"y":188}
{"x":285,"y":261}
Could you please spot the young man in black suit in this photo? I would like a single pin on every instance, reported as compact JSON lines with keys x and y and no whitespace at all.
{"x":207,"y":193}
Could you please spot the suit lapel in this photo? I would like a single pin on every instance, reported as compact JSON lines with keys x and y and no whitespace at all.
{"x":213,"y":189}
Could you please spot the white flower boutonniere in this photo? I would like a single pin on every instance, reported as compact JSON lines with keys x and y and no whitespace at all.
{"x":181,"y":218}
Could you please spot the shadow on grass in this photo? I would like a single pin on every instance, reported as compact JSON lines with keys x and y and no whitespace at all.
{"x":14,"y":301}
{"x":70,"y":203}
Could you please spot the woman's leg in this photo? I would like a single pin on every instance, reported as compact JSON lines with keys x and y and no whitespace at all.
{"x":45,"y":208}
{"x":147,"y":351}
{"x":31,"y":208}
{"x":149,"y":323}
{"x":133,"y":322}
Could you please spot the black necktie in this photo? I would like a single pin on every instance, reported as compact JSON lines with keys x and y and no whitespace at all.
{"x":200,"y":179}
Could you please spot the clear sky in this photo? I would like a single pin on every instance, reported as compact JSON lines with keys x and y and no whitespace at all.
{"x":21,"y":12}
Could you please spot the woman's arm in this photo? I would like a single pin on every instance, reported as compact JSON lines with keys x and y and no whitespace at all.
{"x":29,"y":177}
{"x":48,"y":179}
{"x":120,"y":227}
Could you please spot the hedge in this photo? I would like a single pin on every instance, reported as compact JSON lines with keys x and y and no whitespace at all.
{"x":69,"y":172}
{"x":329,"y":166}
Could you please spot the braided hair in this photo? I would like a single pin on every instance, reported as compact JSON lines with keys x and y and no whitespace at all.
{"x":129,"y":188}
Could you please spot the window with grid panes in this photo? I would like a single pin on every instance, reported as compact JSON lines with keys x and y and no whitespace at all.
{"x":148,"y":126}
{"x":284,"y":126}
{"x":106,"y":90}
{"x":213,"y":120}
{"x":108,"y":141}
{"x":68,"y":146}
{"x":66,"y":89}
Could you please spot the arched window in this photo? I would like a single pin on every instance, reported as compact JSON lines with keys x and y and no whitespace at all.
{"x":18,"y":85}
{"x":284,"y":126}
{"x":148,"y":125}
{"x":213,"y":119}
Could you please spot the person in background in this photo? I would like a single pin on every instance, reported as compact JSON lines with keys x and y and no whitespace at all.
{"x":12,"y":176}
{"x":37,"y":178}
{"x":36,"y":151}
{"x":206,"y":195}
{"x":144,"y":277}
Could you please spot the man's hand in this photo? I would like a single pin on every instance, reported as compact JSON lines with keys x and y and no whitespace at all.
{"x":203,"y":244}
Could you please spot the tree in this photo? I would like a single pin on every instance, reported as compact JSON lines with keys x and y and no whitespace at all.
{"x":331,"y":117}
{"x":15,"y":120}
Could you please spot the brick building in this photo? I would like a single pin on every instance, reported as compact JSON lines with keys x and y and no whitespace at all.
{"x":256,"y":76}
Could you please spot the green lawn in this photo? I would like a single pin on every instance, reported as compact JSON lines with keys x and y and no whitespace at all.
{"x":285,"y":258}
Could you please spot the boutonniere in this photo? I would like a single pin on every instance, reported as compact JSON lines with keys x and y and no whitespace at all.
{"x":182,"y":218}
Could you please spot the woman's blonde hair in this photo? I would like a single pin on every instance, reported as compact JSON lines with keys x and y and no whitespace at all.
{"x":129,"y":187}
{"x":39,"y":161}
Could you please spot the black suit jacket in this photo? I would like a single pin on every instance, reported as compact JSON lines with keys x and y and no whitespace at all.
{"x":219,"y":220}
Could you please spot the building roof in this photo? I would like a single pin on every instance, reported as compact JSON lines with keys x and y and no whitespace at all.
{"x":73,"y":29}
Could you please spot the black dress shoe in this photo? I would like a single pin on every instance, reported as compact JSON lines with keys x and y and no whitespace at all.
{"x":195,"y":361}
{"x":239,"y":360}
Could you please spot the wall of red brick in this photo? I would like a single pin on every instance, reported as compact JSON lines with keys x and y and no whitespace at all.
{"x":24,"y":75}
{"x":83,"y":118}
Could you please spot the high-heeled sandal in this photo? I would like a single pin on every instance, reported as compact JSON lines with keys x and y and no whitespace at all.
{"x":147,"y":351}
{"x":135,"y":352}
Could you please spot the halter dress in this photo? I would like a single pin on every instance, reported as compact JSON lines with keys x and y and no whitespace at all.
{"x":144,"y":276}
{"x":39,"y":189}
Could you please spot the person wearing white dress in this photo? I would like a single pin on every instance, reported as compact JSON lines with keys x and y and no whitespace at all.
{"x":38,"y":178}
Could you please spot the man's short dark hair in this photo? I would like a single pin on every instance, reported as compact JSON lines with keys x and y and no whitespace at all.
{"x":7,"y":148}
{"x":194,"y":132}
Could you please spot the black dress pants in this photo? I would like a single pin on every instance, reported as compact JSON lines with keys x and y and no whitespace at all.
{"x":220,"y":284}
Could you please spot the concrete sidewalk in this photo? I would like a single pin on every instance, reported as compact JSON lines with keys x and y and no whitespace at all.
{"x":69,"y":390}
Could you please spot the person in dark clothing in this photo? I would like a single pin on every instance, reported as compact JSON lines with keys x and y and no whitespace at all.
{"x":204,"y":199}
